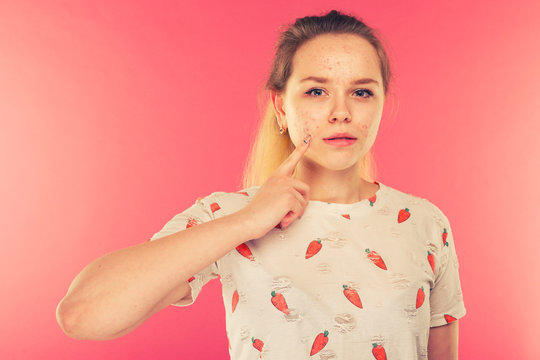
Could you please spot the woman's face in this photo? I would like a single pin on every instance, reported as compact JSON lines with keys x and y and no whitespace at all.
{"x":335,"y":102}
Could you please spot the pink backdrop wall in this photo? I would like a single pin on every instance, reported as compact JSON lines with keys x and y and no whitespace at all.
{"x":115,"y":116}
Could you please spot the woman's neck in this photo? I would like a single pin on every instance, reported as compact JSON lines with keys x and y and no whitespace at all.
{"x":344,"y":186}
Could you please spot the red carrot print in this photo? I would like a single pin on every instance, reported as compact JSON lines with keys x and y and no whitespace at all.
{"x":352,"y":295}
{"x":191,"y":222}
{"x":346,"y":216}
{"x":242,"y":192}
{"x":376,"y":258}
{"x":191,"y":279}
{"x":235,"y":298}
{"x":244,"y":250}
{"x":279,"y":302}
{"x":320,"y":341}
{"x":431,"y":260}
{"x":372,"y":200}
{"x":449,"y":318}
{"x":313,"y":248}
{"x":379,"y":352}
{"x":444,"y":236}
{"x":403,"y":215}
{"x":214,"y":207}
{"x":257,"y":343}
{"x":420,"y":295}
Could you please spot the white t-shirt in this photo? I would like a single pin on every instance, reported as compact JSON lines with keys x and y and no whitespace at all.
{"x":345,"y":281}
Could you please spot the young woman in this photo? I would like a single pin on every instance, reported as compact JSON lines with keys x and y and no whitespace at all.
{"x":316,"y":259}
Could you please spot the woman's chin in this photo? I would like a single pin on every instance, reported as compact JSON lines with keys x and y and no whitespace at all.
{"x":339,"y":165}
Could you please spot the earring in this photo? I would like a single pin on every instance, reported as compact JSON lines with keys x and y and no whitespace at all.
{"x":281,"y":131}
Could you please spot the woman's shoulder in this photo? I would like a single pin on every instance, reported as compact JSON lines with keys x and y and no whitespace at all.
{"x":233,"y":194}
{"x":412,"y":202}
{"x":226,"y":202}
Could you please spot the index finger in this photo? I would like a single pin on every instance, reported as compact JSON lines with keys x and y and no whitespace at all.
{"x":287,"y":167}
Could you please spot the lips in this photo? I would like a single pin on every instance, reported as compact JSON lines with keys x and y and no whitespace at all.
{"x":340,"y":142}
{"x":340,"y":136}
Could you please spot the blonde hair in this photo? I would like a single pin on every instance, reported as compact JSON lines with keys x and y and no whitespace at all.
{"x":270,"y":148}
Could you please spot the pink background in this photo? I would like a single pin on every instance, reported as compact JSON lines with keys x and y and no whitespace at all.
{"x":115,"y":116}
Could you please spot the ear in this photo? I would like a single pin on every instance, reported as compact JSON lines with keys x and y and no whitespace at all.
{"x":277,"y":100}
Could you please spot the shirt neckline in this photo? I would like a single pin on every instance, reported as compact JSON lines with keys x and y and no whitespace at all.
{"x":378,"y":194}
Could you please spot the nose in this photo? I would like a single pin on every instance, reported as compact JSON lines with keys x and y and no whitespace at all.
{"x":340,"y":113}
{"x":345,"y":118}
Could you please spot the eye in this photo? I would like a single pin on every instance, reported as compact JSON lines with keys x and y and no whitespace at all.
{"x":365,"y":91}
{"x":309,"y":92}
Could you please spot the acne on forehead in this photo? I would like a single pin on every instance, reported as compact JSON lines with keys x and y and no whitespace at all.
{"x":329,"y":56}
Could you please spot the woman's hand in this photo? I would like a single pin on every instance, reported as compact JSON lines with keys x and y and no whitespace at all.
{"x":281,"y":198}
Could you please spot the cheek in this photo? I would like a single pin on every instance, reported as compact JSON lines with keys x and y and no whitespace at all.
{"x":309,"y":127}
{"x":370,"y":123}
{"x":305,"y":124}
{"x":371,"y":130}
{"x":310,"y":123}
{"x":364,"y":129}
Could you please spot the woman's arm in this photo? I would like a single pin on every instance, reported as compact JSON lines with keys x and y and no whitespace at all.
{"x":118,"y":291}
{"x":443,"y":342}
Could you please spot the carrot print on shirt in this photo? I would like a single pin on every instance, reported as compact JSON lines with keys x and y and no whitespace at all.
{"x":343,"y":281}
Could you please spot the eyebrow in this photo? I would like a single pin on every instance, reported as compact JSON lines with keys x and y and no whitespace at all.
{"x":355,"y":82}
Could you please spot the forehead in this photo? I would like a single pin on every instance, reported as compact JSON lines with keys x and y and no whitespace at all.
{"x":336,"y":56}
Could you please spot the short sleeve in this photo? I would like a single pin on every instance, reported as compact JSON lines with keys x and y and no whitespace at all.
{"x":446,"y":298}
{"x":197,"y":214}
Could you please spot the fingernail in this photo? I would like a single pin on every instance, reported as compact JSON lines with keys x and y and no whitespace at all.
{"x":307,"y":139}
